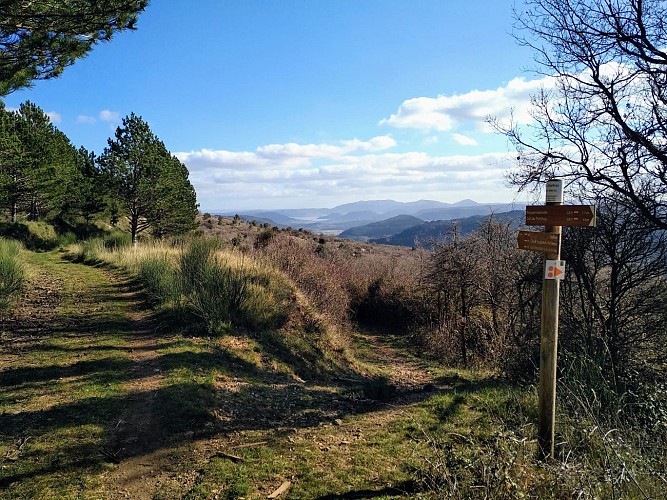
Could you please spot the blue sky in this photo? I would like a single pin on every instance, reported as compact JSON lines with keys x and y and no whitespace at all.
{"x":310,"y":103}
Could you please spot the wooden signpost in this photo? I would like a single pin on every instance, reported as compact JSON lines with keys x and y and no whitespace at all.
{"x":552,"y":215}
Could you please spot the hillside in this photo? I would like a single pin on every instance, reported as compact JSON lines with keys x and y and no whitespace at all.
{"x":96,"y":382}
{"x":251,"y":362}
{"x":427,"y":232}
{"x":460,"y":211}
{"x":381,"y":229}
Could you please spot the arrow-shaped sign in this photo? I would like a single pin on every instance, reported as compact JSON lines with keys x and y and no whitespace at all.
{"x":560,"y":215}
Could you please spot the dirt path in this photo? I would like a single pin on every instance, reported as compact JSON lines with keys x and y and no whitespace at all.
{"x":88,"y":378}
{"x":404,"y":371}
{"x":78,"y":334}
{"x":276,"y":413}
{"x":138,"y":429}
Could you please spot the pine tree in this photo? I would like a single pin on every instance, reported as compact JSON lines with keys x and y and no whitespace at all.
{"x":176,"y":206}
{"x":10,"y":163}
{"x":46,"y":174}
{"x":40,"y":38}
{"x":151,"y":184}
{"x":90,"y":190}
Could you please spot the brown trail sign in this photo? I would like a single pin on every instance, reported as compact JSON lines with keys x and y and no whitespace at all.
{"x":560,"y":215}
{"x":539,"y":242}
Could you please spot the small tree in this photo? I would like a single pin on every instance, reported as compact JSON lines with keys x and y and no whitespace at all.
{"x":151,"y":184}
{"x":454,"y":271}
{"x":114,"y":213}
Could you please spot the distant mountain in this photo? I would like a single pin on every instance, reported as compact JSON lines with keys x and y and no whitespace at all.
{"x":431,"y":231}
{"x":302,"y":213}
{"x":381,"y":229}
{"x":349,"y":215}
{"x":334,"y":225}
{"x":352,"y":216}
{"x":459,"y":211}
{"x":379,"y":206}
{"x":389,"y":208}
{"x":260,"y":220}
{"x":466,"y":203}
{"x":277,"y":218}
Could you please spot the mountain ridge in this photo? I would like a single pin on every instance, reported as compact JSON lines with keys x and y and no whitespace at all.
{"x":349,"y":215}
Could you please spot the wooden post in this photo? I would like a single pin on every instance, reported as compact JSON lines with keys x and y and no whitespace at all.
{"x":549,"y":338}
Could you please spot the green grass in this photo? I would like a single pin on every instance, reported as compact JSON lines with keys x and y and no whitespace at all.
{"x":12,"y":272}
{"x":280,"y":399}
{"x":39,"y":236}
{"x":62,"y":385}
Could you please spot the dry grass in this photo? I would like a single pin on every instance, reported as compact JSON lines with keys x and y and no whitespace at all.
{"x":12,"y":272}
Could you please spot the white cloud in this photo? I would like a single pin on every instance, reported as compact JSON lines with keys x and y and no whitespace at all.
{"x":445,"y":113}
{"x":378,"y":143}
{"x":109,"y":116}
{"x":464,"y":140}
{"x":284,"y":156}
{"x":89,"y":120}
{"x":295,"y":173}
{"x":54,"y":117}
{"x":300,"y":152}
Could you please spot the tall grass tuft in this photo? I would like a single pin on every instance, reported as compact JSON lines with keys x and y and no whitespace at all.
{"x":117,"y":240}
{"x":161,"y":280}
{"x":224,"y":288}
{"x":213,"y":292}
{"x":12,"y":272}
{"x":221,"y":288}
{"x":480,"y":443}
{"x":88,"y":251}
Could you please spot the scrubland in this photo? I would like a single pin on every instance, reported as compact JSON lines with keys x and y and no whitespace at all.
{"x":262,"y":357}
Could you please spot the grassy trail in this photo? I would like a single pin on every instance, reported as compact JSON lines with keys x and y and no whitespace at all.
{"x":101,"y":399}
{"x":66,"y":354}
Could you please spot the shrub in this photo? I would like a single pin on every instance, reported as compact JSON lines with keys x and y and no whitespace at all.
{"x":12,"y":272}
{"x":160,"y":279}
{"x":321,"y":280}
{"x":222,"y":289}
{"x":69,"y":238}
{"x":117,"y":240}
{"x":88,"y":251}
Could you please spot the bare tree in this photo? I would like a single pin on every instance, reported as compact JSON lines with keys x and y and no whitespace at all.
{"x":602,"y":124}
{"x":453,"y":273}
{"x":614,"y":300}
{"x":473,"y":280}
